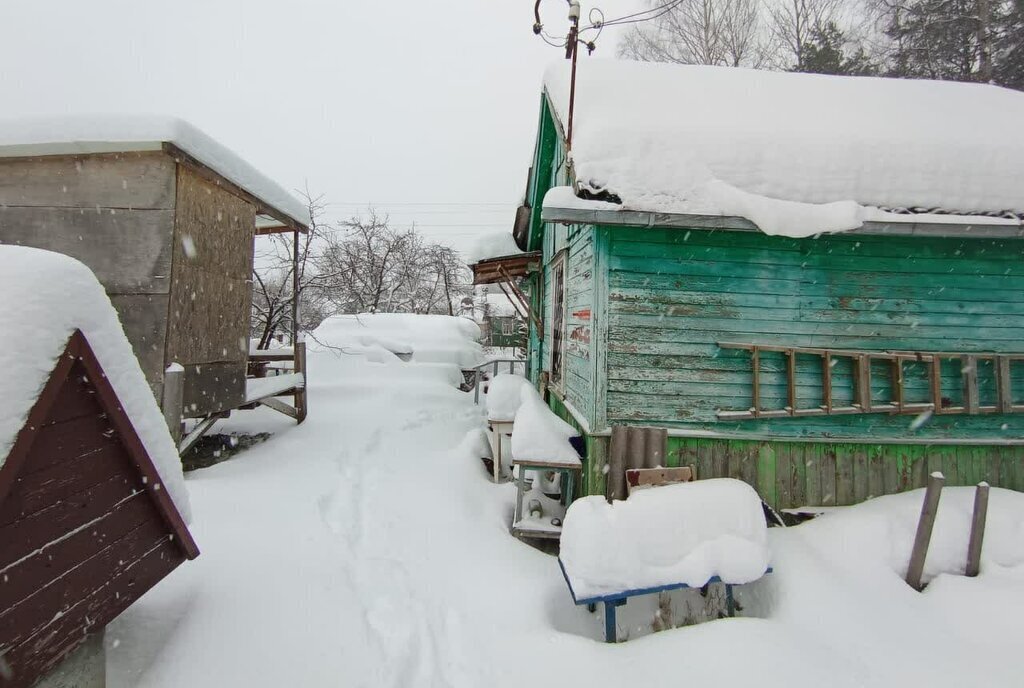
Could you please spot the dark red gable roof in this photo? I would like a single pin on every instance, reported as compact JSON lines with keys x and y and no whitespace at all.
{"x":86,"y":525}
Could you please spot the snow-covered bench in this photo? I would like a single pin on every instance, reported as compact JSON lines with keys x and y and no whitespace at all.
{"x":685,"y":535}
{"x":540,"y":445}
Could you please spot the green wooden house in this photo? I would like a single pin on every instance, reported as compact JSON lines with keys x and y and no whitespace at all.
{"x":816,"y":284}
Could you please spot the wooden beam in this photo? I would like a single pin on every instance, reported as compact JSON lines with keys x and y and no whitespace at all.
{"x":211,"y":175}
{"x":977,"y":530}
{"x":923,"y":537}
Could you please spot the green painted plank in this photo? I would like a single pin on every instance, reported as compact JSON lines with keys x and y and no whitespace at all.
{"x":783,"y":476}
{"x":704,"y":466}
{"x":767,"y":471}
{"x":623,"y":297}
{"x":876,"y":470}
{"x":644,"y":278}
{"x":812,"y":471}
{"x":828,"y":475}
{"x":844,"y":475}
{"x":720,"y":459}
{"x":860,"y":473}
{"x":736,"y":259}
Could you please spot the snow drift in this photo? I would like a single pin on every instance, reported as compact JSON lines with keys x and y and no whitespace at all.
{"x":684,"y":533}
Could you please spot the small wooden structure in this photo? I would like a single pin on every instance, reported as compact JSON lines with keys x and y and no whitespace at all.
{"x":86,"y":526}
{"x":166,"y":218}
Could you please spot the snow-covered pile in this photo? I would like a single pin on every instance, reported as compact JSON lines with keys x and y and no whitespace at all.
{"x":493,"y":245}
{"x":881,"y":531}
{"x":390,"y":337}
{"x":683,"y":533}
{"x":46,"y":297}
{"x":797,"y":154}
{"x":504,"y":395}
{"x":77,"y":134}
{"x":540,"y":435}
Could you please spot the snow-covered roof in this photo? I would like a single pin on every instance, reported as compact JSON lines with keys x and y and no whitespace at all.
{"x":493,"y":245}
{"x":46,"y":297}
{"x":71,"y":135}
{"x":796,"y":154}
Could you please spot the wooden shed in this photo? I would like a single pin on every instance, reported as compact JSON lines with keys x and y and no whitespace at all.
{"x":165,"y":217}
{"x":813,"y":283}
{"x":88,"y":521}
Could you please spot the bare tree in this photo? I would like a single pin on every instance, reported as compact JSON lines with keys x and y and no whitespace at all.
{"x":795,"y":23}
{"x":708,"y":32}
{"x":272,"y":291}
{"x":370,"y":267}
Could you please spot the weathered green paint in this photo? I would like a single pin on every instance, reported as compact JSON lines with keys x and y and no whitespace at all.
{"x":792,"y":474}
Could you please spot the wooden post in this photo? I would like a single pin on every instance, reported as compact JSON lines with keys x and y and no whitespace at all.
{"x":300,"y":396}
{"x":616,"y":480}
{"x":923,"y":538}
{"x":977,"y":530}
{"x":173,"y":400}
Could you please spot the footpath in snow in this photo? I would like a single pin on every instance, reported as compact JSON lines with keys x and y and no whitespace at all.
{"x":367,"y":547}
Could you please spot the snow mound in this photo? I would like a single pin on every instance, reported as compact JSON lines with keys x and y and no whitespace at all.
{"x":78,"y":134}
{"x":504,"y":395}
{"x":882,"y":530}
{"x":493,"y":245}
{"x":390,"y":337}
{"x":539,"y":434}
{"x":797,"y":154}
{"x":684,"y":533}
{"x":46,"y":297}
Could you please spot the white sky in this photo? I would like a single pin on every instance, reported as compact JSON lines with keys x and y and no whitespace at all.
{"x":391,"y":103}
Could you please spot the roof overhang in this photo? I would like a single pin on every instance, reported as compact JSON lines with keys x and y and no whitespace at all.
{"x":278,"y":220}
{"x":985,"y":228}
{"x":495,"y":270}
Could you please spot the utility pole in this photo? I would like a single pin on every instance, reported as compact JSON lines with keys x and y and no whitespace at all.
{"x":571,"y":52}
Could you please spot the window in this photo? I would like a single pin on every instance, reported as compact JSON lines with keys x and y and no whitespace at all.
{"x":508,"y":326}
{"x":557,"y":319}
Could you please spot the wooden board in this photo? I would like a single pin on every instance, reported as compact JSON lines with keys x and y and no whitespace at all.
{"x":128,"y":250}
{"x":144,"y":319}
{"x":212,"y":265}
{"x":104,"y":180}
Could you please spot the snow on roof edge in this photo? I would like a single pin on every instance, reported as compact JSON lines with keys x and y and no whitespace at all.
{"x":48,"y":296}
{"x":71,"y":135}
{"x":796,"y":154}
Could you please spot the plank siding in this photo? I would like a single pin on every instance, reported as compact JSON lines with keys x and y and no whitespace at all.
{"x":674,"y":294}
{"x":208,"y":314}
{"x":794,"y":474}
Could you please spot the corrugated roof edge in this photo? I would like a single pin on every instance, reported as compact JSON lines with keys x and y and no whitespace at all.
{"x":81,"y":135}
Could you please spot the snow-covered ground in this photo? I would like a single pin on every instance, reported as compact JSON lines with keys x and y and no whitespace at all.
{"x":367,"y":547}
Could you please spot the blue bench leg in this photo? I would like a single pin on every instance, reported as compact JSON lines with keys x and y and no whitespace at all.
{"x":609,"y":621}
{"x":730,"y":603}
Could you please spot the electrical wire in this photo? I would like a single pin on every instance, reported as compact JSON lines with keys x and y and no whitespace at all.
{"x":638,"y":17}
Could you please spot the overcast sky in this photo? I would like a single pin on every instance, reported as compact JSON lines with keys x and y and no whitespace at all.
{"x":391,"y":103}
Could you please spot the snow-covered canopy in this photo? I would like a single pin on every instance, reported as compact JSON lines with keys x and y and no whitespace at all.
{"x":683,"y":533}
{"x":492,"y":245}
{"x":797,"y":154}
{"x":72,"y":135}
{"x":46,"y":297}
{"x":392,"y":337}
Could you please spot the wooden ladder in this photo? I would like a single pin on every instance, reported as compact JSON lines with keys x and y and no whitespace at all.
{"x":863,"y":401}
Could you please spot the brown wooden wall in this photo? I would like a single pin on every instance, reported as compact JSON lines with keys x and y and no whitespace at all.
{"x":80,"y":539}
{"x":113,"y":212}
{"x":210,"y":292}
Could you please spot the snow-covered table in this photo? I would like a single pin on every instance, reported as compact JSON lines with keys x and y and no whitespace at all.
{"x":685,"y":535}
{"x":619,"y":599}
